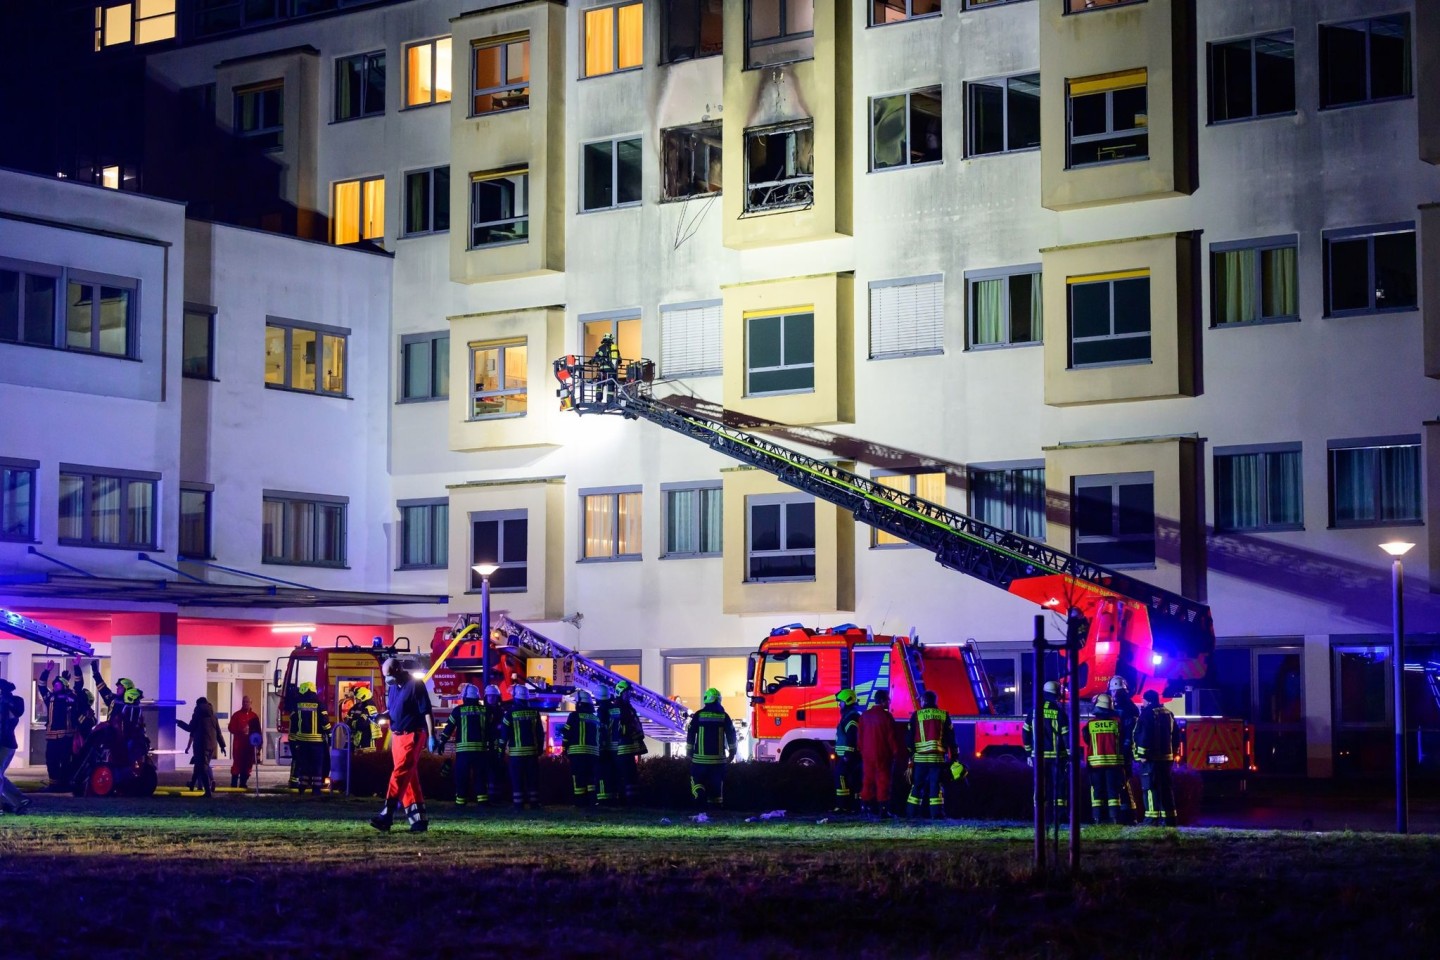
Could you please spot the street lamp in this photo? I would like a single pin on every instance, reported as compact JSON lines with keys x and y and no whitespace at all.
{"x":1398,"y":549}
{"x":485,"y":570}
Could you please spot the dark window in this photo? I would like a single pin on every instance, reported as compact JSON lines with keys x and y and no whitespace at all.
{"x":1259,"y":489}
{"x":360,"y":85}
{"x":1004,"y":115}
{"x":1254,"y":281}
{"x":260,"y":115}
{"x":108,"y":508}
{"x":692,"y":160}
{"x":17,"y":499}
{"x":195,"y":523}
{"x":1109,"y":119}
{"x":780,"y":167}
{"x":304,"y":529}
{"x":692,"y":521}
{"x":1253,"y":77}
{"x":897,"y":11}
{"x":500,"y":76}
{"x":1370,"y":270}
{"x":1375,"y":483}
{"x":502,"y":538}
{"x":779,"y":353}
{"x":905,"y":129}
{"x":1011,"y":498}
{"x":780,"y":670}
{"x":500,"y":208}
{"x":611,"y":174}
{"x":780,"y":538}
{"x":197,"y":355}
{"x":1365,"y":60}
{"x":1110,"y":319}
{"x":29,"y":304}
{"x":691,"y":29}
{"x":778,"y":31}
{"x":1113,"y":519}
{"x":424,"y":534}
{"x":425,"y":366}
{"x":427,"y":201}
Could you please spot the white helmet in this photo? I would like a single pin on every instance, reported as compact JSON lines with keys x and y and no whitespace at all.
{"x":519,"y":692}
{"x":1117,"y":683}
{"x":470,"y":692}
{"x":492,"y":691}
{"x":584,"y":697}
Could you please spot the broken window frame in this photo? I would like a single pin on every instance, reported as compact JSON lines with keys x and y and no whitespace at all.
{"x":684,"y":145}
{"x":798,"y":190}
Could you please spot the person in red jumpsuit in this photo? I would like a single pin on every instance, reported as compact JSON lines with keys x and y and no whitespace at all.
{"x":880,"y":744}
{"x":411,"y":731}
{"x":243,"y":723}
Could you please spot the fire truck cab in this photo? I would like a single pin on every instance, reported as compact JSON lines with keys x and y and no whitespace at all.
{"x":337,"y":672}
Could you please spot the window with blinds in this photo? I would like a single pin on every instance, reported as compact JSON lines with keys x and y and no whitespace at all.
{"x":907,"y":317}
{"x":690,"y":339}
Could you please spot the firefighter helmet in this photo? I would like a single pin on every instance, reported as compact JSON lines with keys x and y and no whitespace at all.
{"x":1118,"y":684}
{"x":133,"y":694}
{"x":363,"y":694}
{"x":492,"y":691}
{"x":622,"y":687}
{"x":470,"y":692}
{"x":584,"y":697}
{"x":1051,"y":687}
{"x":1103,"y":701}
{"x":712,"y":695}
{"x":845,"y":697}
{"x":958,"y":771}
{"x":519,"y":692}
{"x":124,"y":683}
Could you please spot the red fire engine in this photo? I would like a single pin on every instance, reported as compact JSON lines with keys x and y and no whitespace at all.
{"x":337,"y":672}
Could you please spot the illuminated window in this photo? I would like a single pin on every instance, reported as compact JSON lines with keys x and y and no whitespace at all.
{"x":1109,"y":119}
{"x":500,"y":75}
{"x":110,"y":177}
{"x":99,"y":315}
{"x":625,"y":328}
{"x":780,"y":353}
{"x":926,"y":486}
{"x":614,"y":38}
{"x":499,"y":207}
{"x":498,"y":372}
{"x":358,"y":210}
{"x":260,"y":114}
{"x":778,"y":31}
{"x":305,"y":529}
{"x":427,"y":72}
{"x":144,"y":21}
{"x":360,"y":85}
{"x":306,"y":357}
{"x":897,"y":11}
{"x":1110,"y":318}
{"x":102,"y":507}
{"x":611,"y":524}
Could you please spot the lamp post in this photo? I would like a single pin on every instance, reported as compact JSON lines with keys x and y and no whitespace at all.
{"x":485,"y":570}
{"x":1398,"y":549}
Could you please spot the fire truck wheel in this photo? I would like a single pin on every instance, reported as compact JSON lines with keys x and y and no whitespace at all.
{"x":101,"y":781}
{"x":806,"y":758}
{"x":1006,"y":755}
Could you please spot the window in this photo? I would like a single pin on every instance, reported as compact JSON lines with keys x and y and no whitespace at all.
{"x":686,"y":677}
{"x":427,"y":72}
{"x":1259,"y":488}
{"x":779,"y":670}
{"x":905,"y":129}
{"x":611,"y":523}
{"x":1370,"y":269}
{"x":896,"y":11}
{"x":778,"y":31}
{"x":304,"y":529}
{"x":1108,"y":118}
{"x":1081,"y":6}
{"x":17,"y":499}
{"x":691,"y":341}
{"x":498,"y":372}
{"x":424,"y":534}
{"x":692,"y":519}
{"x":197,"y":349}
{"x":1110,"y":318}
{"x":260,"y":115}
{"x":926,"y":486}
{"x":359,"y":210}
{"x":500,"y":75}
{"x":610,"y":174}
{"x":1253,"y":77}
{"x":1254,"y":281}
{"x":779,"y":353}
{"x":146,"y":21}
{"x":305,"y":357}
{"x":1010,"y":496}
{"x":614,"y":38}
{"x":29,"y":303}
{"x":1375,"y":481}
{"x":907,"y":317}
{"x":195,"y":521}
{"x":624,"y":327}
{"x":500,"y":537}
{"x":360,"y":85}
{"x":1004,"y":115}
{"x":779,"y":537}
{"x":692,"y":160}
{"x":1005,"y":307}
{"x":1365,"y":60}
{"x":100,"y":507}
{"x":424,"y":366}
{"x":780,"y":167}
{"x":1114,"y":519}
{"x":99,"y":314}
{"x":691,"y":29}
{"x":499,"y":208}
{"x":427,"y":201}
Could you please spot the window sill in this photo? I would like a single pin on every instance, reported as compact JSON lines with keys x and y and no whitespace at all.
{"x":779,"y":393}
{"x":206,"y":379}
{"x":362,"y":116}
{"x":421,"y":566}
{"x":275,"y":562}
{"x":633,"y":204}
{"x":1326,"y":108}
{"x":149,"y":547}
{"x":908,"y":166}
{"x":780,"y":63}
{"x":307,"y":393}
{"x":696,"y":375}
{"x":1106,"y":163}
{"x":690,"y":556}
{"x":1279,"y":528}
{"x":1112,"y":6}
{"x":182,"y":557}
{"x":19,"y":540}
{"x":627,"y":558}
{"x":493,"y":113}
{"x":1001,"y":153}
{"x":422,"y":233}
{"x":909,"y":353}
{"x":987,"y":347}
{"x":1259,"y":116}
{"x":1370,"y":312}
{"x":787,"y":208}
{"x":1262,"y":322}
{"x":404,"y":400}
{"x":893,"y":546}
{"x":421,"y":106}
{"x":495,"y":590}
{"x":693,"y":196}
{"x":499,"y":243}
{"x":698,"y":56}
{"x":781,"y":580}
{"x":1112,"y":363}
{"x":910,"y":19}
{"x":611,"y":73}
{"x":1370,"y":524}
{"x":495,"y":416}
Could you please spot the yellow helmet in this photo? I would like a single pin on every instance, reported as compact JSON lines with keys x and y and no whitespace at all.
{"x":712,"y":695}
{"x":362,"y":694}
{"x":133,"y":694}
{"x":845,"y":697}
{"x":307,"y":687}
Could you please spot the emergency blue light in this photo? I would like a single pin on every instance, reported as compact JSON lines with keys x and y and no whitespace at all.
{"x":305,"y":640}
{"x":377,"y":642}
{"x":1157,"y":659}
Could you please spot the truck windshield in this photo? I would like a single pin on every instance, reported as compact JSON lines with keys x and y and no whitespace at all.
{"x":787,"y":670}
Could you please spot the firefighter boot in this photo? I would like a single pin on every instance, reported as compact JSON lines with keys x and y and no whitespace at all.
{"x":385,"y":818}
{"x":234,"y":780}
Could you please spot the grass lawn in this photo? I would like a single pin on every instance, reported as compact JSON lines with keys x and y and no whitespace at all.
{"x":278,"y":877}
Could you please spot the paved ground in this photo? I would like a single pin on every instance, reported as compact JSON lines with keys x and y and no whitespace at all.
{"x":1316,"y":805}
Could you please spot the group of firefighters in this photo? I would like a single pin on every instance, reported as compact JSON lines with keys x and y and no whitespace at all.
{"x":73,"y":730}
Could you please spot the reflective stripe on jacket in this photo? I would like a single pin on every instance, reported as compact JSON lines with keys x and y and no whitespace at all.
{"x":468,"y":728}
{"x":1054,"y":731}
{"x":711,"y":735}
{"x":1102,"y":739}
{"x":847,"y":732}
{"x":581,"y":734}
{"x":309,"y":723}
{"x":521,"y":731}
{"x":932,"y":737}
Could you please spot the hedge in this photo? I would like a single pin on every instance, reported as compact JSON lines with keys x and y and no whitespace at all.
{"x":993,"y":790}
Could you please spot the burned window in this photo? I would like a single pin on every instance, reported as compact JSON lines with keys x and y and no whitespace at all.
{"x":780,"y":167}
{"x":692,"y":160}
{"x":905,"y":129}
{"x":691,"y":29}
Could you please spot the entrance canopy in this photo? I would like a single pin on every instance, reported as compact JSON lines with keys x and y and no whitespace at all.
{"x":194,"y":593}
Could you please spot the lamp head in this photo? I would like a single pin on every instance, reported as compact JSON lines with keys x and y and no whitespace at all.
{"x":1396,"y":548}
{"x":485,"y":569}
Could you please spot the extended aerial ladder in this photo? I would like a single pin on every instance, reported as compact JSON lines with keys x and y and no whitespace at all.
{"x":1155,"y":627}
{"x":62,"y":641}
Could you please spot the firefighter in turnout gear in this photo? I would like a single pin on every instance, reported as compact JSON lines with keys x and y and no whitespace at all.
{"x":524,"y":738}
{"x":60,"y":709}
{"x":1156,"y":740}
{"x":710,"y":740}
{"x":1102,"y":761}
{"x":1049,"y":738}
{"x":1124,"y":706}
{"x":932,"y":746}
{"x":607,"y":362}
{"x":581,"y":738}
{"x":628,"y":737}
{"x":309,"y":739}
{"x":847,"y":753}
{"x":361,"y":719}
{"x":467,"y":727}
